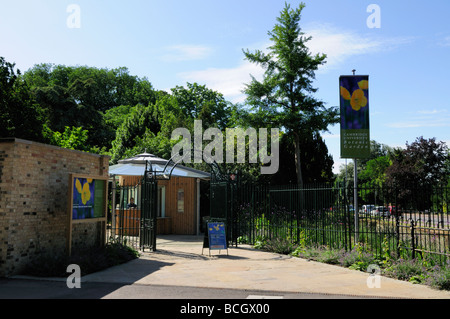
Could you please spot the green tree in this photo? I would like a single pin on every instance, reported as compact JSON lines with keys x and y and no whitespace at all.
{"x":423,"y":163}
{"x":19,"y":115}
{"x":74,"y":138}
{"x":417,"y":170}
{"x":80,"y":96}
{"x":375,"y":171}
{"x":284,"y":96}
{"x":198,"y":102}
{"x":148,"y":127}
{"x":380,"y":155}
{"x":317,"y":164}
{"x":134,"y":126}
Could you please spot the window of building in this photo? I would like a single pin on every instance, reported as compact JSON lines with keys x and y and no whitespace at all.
{"x":161,"y":201}
{"x":180,"y":200}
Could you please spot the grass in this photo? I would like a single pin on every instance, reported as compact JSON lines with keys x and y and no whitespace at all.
{"x":90,"y":260}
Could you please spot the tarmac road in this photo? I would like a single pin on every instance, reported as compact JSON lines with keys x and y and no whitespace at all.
{"x":52,"y":289}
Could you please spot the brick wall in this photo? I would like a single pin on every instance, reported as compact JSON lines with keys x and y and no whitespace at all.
{"x":34,"y":180}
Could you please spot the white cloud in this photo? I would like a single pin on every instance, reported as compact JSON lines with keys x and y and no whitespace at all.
{"x":228,"y":81}
{"x":434,"y":111}
{"x":339,"y":45}
{"x":445,"y":42}
{"x":426,"y":118}
{"x":185,"y":52}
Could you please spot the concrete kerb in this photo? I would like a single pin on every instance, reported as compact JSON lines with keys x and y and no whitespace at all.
{"x":179,"y":261}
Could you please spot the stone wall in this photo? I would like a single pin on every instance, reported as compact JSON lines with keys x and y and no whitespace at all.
{"x":34,"y":214}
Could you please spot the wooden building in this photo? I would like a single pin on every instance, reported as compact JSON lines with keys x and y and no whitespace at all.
{"x":178,"y":208}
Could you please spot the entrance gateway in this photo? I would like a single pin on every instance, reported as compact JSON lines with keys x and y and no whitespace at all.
{"x":223,"y":201}
{"x":154,"y":196}
{"x":134,"y":218}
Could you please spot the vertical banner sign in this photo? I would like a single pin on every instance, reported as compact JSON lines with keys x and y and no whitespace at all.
{"x":354,"y":103}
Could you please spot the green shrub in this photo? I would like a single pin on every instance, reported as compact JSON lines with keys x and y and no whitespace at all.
{"x":440,"y":278}
{"x":280,"y":246}
{"x":90,"y":260}
{"x":407,"y":270}
{"x":357,"y":258}
{"x":260,"y":242}
{"x":307,"y":253}
{"x":330,"y":256}
{"x":243,"y":240}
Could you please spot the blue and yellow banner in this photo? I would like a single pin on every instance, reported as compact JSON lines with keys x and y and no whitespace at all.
{"x":83,"y":198}
{"x":88,"y":198}
{"x":354,"y":103}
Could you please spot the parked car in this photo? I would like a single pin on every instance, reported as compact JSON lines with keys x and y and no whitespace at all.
{"x":367,"y":209}
{"x":380,"y":211}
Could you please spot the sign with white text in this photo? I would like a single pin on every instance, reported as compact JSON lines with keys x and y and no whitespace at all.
{"x":354,"y":104}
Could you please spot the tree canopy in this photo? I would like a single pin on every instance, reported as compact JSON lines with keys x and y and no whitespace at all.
{"x":284,"y":98}
{"x":425,"y":162}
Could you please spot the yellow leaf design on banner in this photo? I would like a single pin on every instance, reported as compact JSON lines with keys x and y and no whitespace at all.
{"x":358,"y":100}
{"x":363,"y":85}
{"x":78,"y":185}
{"x":85,"y":193}
{"x":345,"y":93}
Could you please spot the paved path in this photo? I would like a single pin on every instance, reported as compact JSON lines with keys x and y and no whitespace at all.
{"x":179,"y":262}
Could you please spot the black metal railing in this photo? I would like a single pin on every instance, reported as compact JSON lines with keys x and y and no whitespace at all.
{"x":406,"y":222}
{"x":134,"y":216}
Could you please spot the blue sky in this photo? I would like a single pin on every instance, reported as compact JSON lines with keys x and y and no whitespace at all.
{"x":178,"y":41}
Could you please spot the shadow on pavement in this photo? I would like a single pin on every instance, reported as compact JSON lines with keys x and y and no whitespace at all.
{"x":93,"y":286}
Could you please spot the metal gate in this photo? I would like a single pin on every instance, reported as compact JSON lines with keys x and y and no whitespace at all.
{"x":134,"y":216}
{"x":149,"y":201}
{"x":223,"y":201}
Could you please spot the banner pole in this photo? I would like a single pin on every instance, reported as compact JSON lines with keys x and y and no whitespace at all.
{"x":355,"y":194}
{"x":355,"y":201}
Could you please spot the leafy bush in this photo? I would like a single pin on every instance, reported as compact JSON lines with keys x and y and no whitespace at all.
{"x":243,"y":240}
{"x":330,"y":256}
{"x":439,"y":278}
{"x":357,"y":258}
{"x":280,"y":246}
{"x":407,"y":270}
{"x":260,"y":242}
{"x":90,"y":260}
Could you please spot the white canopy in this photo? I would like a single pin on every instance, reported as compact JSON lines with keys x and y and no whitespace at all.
{"x":135,"y":166}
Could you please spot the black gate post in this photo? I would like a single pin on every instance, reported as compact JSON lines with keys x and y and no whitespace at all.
{"x":224,"y":197}
{"x":148,"y":222}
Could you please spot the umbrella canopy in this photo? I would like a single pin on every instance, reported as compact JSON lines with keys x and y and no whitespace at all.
{"x":135,"y":166}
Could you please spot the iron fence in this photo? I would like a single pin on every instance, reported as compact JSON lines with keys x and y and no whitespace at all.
{"x":403,"y":221}
{"x":125,"y":218}
{"x":133,"y":215}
